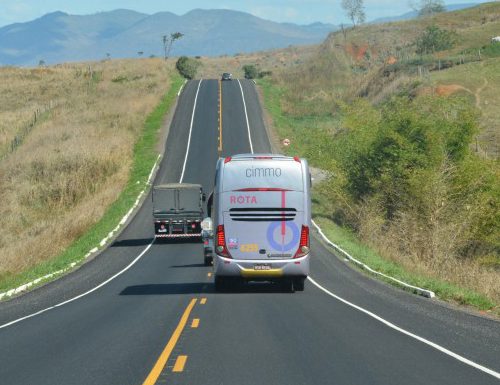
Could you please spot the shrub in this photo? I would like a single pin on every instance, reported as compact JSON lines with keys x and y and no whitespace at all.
{"x":250,"y":71}
{"x":410,"y":163}
{"x":435,"y":39}
{"x":187,"y":67}
{"x":492,"y":49}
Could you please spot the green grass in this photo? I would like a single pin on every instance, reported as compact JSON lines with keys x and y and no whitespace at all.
{"x":310,"y":136}
{"x":491,"y":50}
{"x":483,"y":81}
{"x":144,"y":157}
{"x":348,"y":241}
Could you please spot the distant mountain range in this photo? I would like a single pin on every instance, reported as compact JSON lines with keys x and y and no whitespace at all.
{"x":59,"y":37}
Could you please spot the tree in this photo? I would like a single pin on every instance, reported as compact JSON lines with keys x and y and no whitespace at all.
{"x":165,"y":43}
{"x":169,"y":40}
{"x":250,"y":71}
{"x":354,"y":10}
{"x":427,"y":8}
{"x":435,"y":39}
{"x":187,"y":67}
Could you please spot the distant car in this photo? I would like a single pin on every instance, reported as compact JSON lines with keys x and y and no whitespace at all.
{"x":227,"y":76}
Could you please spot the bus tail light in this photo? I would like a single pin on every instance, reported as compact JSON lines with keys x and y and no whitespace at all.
{"x":220,"y":246}
{"x":304,"y":243}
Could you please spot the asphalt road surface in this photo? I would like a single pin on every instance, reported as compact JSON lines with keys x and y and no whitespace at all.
{"x":160,"y":321}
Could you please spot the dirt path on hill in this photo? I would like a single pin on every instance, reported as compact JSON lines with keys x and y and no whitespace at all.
{"x":477,"y":94}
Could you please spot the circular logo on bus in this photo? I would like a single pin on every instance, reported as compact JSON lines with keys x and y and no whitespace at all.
{"x":272,"y":234}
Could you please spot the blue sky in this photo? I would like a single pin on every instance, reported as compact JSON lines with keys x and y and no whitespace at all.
{"x":295,"y":11}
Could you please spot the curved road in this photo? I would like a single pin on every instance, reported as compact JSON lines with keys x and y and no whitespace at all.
{"x":160,"y":321}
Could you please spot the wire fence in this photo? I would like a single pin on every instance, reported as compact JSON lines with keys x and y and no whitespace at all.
{"x":26,"y":129}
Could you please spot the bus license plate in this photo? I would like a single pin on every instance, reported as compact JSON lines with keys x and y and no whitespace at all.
{"x":262,"y":266}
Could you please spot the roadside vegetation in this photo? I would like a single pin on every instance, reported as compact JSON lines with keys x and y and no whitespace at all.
{"x":414,"y":173}
{"x":187,"y":67}
{"x":67,"y":178}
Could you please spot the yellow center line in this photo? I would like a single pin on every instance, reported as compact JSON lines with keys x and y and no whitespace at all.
{"x":162,"y":360}
{"x":179,"y":364}
{"x":203,"y":301}
{"x":195,"y":323}
{"x":220,"y":117}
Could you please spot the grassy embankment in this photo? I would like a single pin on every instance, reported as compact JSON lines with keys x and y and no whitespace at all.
{"x":72,"y":175}
{"x":406,"y":178}
{"x":316,"y":148}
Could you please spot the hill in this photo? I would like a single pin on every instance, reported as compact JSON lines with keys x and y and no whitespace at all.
{"x":414,"y":14}
{"x":378,"y":60}
{"x":410,"y":141}
{"x":59,"y":37}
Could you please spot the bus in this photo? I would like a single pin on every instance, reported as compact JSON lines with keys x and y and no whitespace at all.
{"x":261,"y":213}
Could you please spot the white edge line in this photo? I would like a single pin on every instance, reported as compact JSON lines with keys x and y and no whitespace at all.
{"x":81,"y":295}
{"x":190,"y":131}
{"x":246,"y":117}
{"x":420,"y":291}
{"x":180,"y":89}
{"x":94,"y":250}
{"x":401,"y":330}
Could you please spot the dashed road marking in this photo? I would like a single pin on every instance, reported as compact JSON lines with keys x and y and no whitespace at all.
{"x":179,"y":364}
{"x":165,"y":354}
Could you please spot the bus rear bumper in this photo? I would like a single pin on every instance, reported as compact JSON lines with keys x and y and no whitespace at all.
{"x":264,"y":269}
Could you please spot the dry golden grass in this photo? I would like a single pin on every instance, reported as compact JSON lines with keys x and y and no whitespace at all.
{"x":274,"y":60}
{"x":426,"y":244}
{"x":75,"y":160}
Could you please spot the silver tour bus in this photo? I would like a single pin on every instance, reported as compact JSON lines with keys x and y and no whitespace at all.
{"x":261,"y":209}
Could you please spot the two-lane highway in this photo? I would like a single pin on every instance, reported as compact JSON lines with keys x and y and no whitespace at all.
{"x":160,"y":321}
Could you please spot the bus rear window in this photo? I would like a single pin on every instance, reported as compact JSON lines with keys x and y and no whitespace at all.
{"x":285,"y":175}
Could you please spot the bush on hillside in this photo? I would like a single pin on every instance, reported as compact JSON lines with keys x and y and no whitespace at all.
{"x":435,"y":39}
{"x":187,"y":67}
{"x":251,"y":71}
{"x":406,"y":169}
{"x":491,"y":50}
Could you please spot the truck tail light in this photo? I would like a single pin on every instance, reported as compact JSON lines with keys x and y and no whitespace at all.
{"x":220,"y":247}
{"x":304,"y":243}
